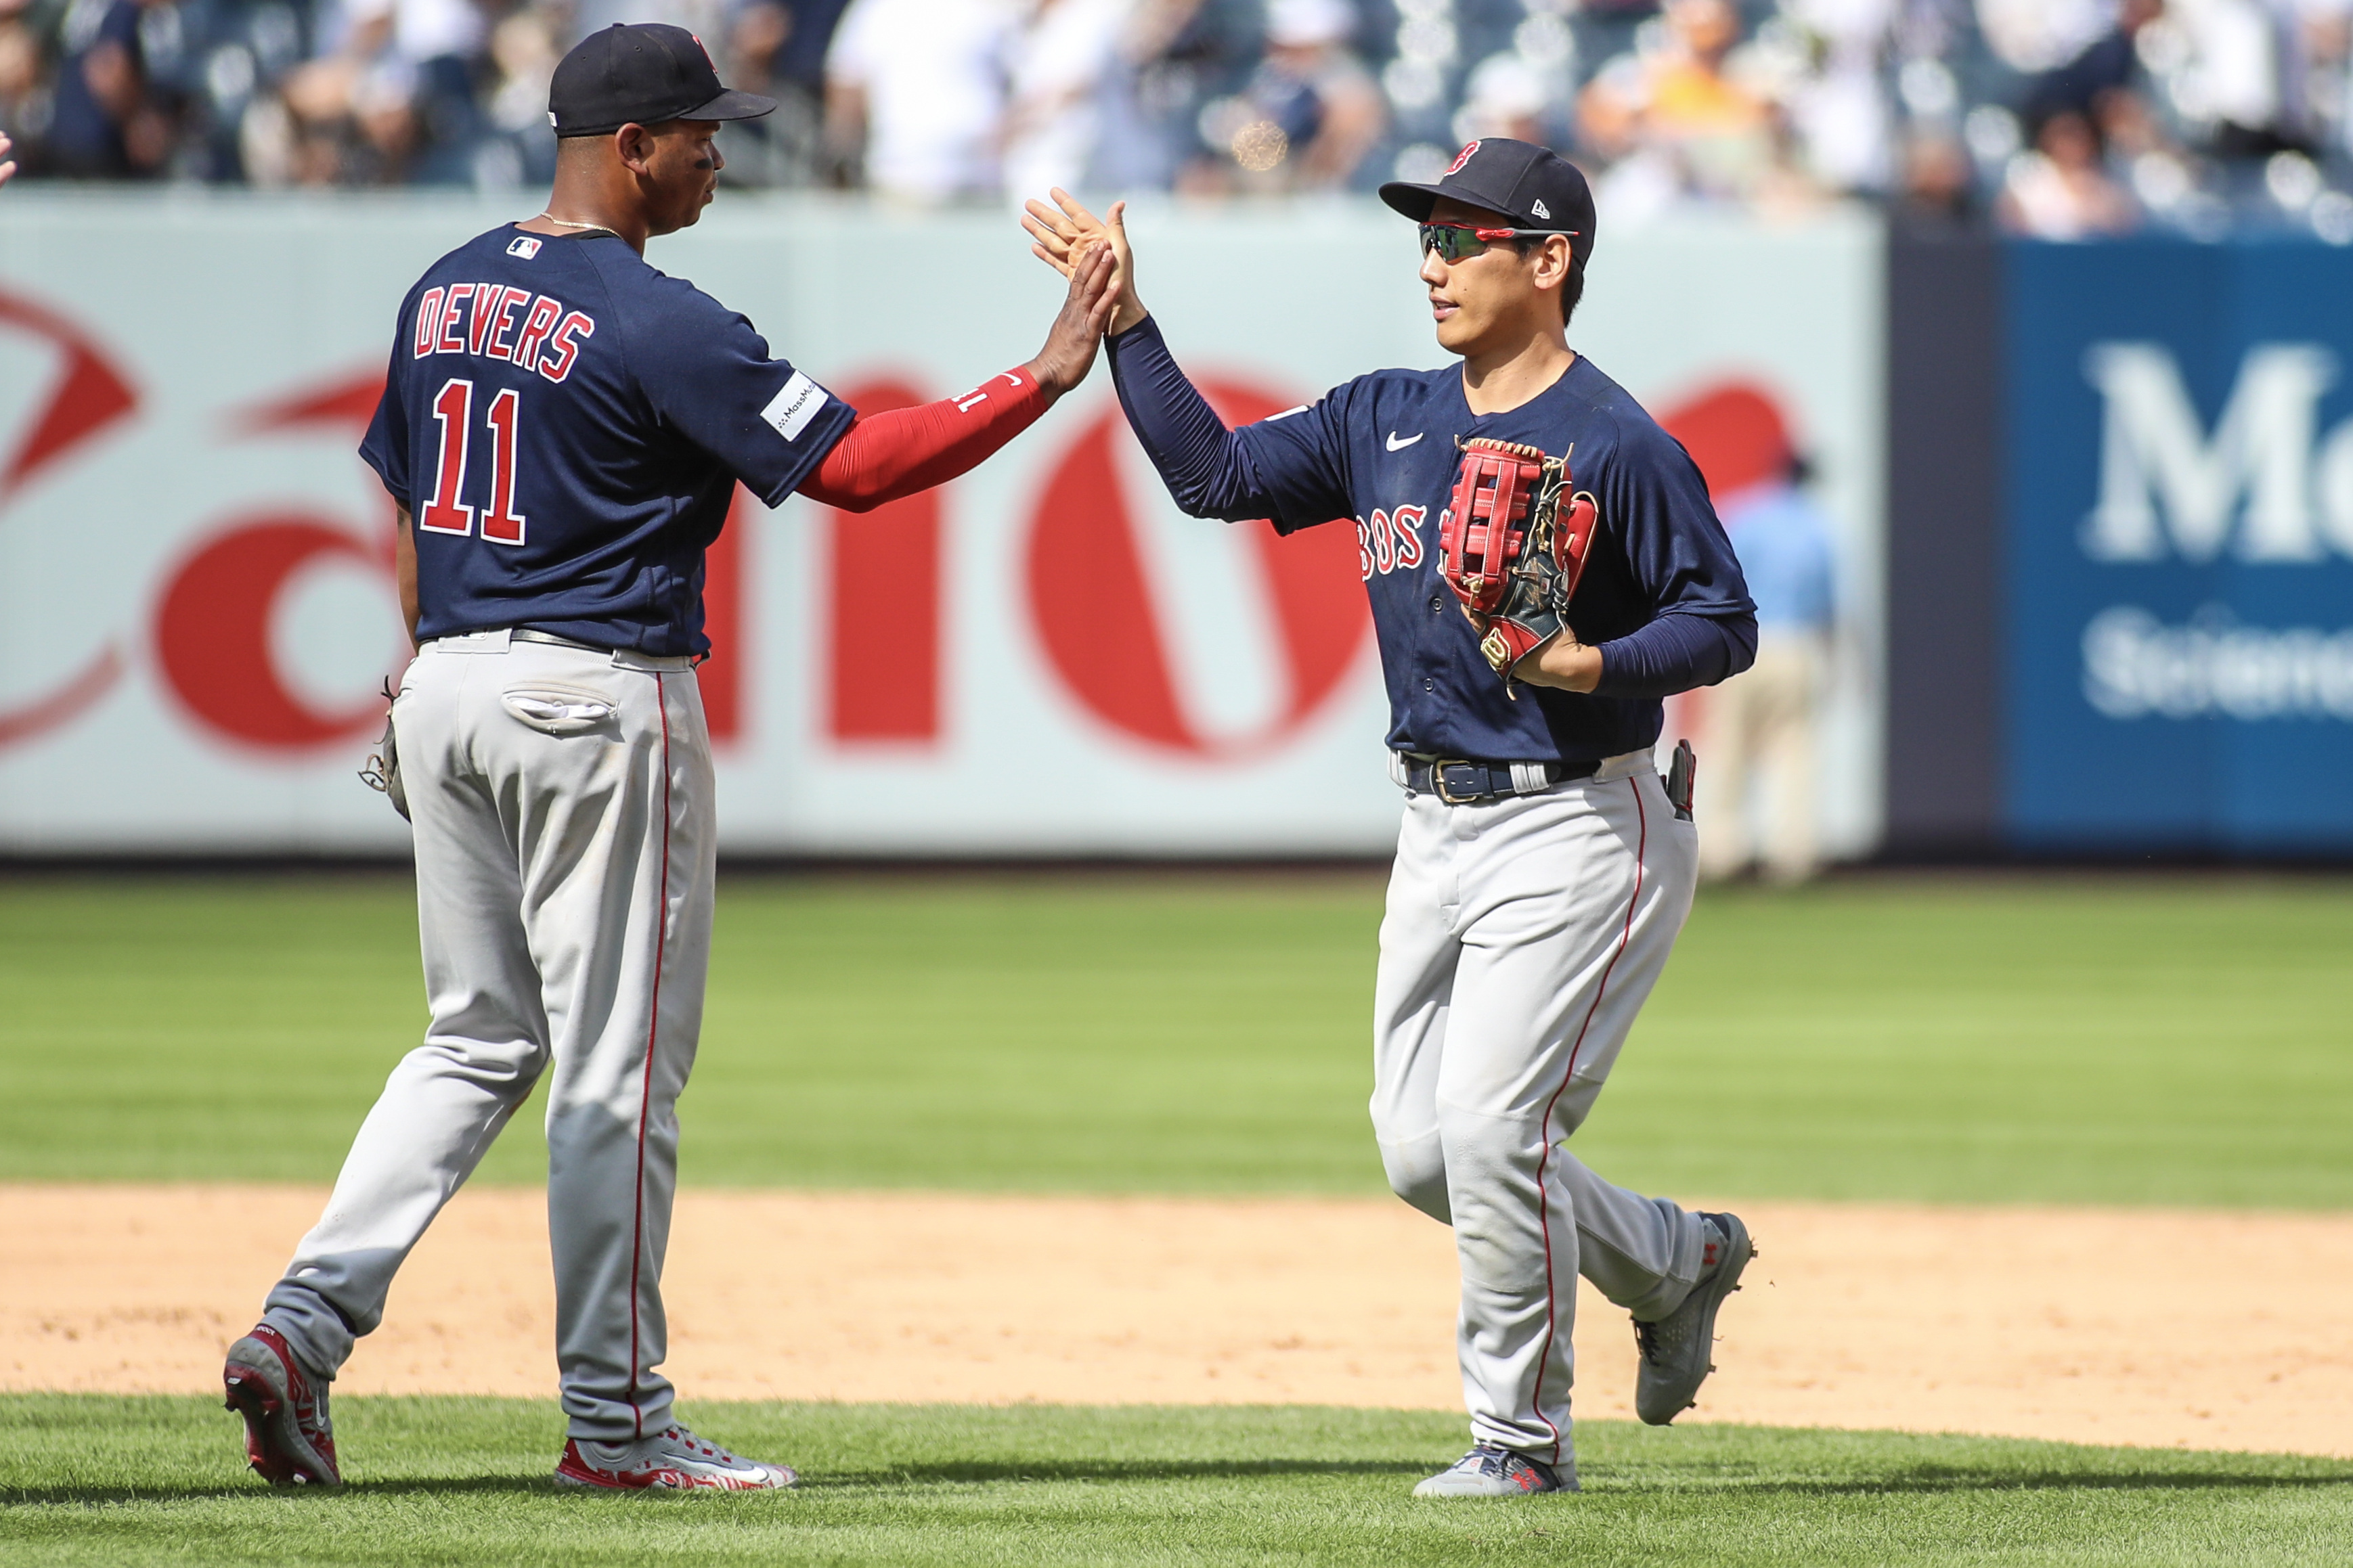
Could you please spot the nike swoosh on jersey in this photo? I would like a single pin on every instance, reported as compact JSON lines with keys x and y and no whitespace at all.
{"x":1397,"y":446}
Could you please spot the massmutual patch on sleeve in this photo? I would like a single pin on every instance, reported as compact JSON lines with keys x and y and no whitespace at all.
{"x":795,"y":404}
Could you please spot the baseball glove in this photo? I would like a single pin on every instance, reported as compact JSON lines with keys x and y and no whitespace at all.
{"x":381,"y":773}
{"x":1513,"y":544}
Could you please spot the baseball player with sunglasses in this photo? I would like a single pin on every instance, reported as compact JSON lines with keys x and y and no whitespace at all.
{"x":563,"y":428}
{"x":1544,"y":567}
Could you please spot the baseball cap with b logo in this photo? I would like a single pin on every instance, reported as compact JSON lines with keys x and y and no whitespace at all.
{"x":1532,"y":186}
{"x":643,"y":71}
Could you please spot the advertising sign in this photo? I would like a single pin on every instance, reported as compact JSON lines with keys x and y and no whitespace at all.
{"x":2180,"y":620}
{"x":1043,"y":657}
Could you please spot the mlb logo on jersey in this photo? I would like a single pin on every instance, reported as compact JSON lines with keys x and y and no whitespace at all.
{"x":524,"y":246}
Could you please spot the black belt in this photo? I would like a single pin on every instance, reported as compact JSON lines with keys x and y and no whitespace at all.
{"x":526,"y":634}
{"x":533,"y":634}
{"x":1467,"y":783}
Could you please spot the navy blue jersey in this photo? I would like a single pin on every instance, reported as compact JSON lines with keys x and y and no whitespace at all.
{"x":566,"y":425}
{"x":1661,"y":598}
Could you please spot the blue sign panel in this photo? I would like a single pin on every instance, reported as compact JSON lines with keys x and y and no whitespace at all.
{"x":2179,"y":636}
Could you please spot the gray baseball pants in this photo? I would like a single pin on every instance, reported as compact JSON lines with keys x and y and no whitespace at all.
{"x":565,"y":842}
{"x":1521,"y":939}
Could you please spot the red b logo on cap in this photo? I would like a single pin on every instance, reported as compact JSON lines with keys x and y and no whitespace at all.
{"x":1460,"y":158}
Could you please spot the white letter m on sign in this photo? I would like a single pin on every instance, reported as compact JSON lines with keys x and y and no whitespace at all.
{"x":2154,"y":456}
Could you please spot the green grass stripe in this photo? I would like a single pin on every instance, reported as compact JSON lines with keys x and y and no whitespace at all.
{"x":464,"y":1481}
{"x":2142,"y":1039}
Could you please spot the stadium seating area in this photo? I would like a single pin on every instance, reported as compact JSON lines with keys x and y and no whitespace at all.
{"x":2059,"y":118}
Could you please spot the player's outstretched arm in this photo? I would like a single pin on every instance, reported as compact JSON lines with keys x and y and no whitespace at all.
{"x":1078,"y":330}
{"x":883,"y":456}
{"x":1061,"y":234}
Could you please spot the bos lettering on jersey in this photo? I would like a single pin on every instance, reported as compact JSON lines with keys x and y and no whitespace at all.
{"x":492,"y":321}
{"x":1389,"y":542}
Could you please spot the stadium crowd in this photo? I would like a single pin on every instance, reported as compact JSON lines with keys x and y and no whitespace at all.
{"x":2059,"y":118}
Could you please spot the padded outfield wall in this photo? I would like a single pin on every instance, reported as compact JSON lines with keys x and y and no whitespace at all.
{"x":1043,"y":658}
{"x":2121,"y":558}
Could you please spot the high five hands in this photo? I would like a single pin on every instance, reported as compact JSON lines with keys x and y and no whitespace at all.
{"x":7,"y":164}
{"x":1061,"y":235}
{"x":1078,"y":330}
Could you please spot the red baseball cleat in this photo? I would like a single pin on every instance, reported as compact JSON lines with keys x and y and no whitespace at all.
{"x":672,"y":1460}
{"x":289,"y":1440}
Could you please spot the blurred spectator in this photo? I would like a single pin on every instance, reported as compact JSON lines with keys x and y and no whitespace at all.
{"x":801,"y":56}
{"x":778,"y":50}
{"x":1759,"y":801}
{"x":25,"y":99}
{"x":2061,"y":189}
{"x":1307,"y":115}
{"x":1674,"y":96}
{"x":2191,"y":115}
{"x":706,"y":19}
{"x":104,"y":121}
{"x":524,"y":48}
{"x":915,"y":95}
{"x":1836,"y":102}
{"x":2032,"y":36}
{"x":388,"y":97}
{"x":1939,"y":190}
{"x":1149,"y":96}
{"x":2235,"y":74}
{"x":1062,"y":61}
{"x":1677,"y":119}
{"x":1505,"y":96}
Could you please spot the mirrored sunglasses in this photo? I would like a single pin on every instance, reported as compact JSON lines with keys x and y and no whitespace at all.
{"x":1453,"y":241}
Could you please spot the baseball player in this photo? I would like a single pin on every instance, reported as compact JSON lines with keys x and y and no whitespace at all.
{"x":563,"y":428}
{"x":1543,"y":868}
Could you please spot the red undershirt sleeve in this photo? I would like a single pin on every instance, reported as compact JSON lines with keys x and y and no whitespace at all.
{"x":883,"y":456}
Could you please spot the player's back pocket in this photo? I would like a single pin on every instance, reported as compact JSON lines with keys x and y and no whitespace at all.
{"x":561,"y":711}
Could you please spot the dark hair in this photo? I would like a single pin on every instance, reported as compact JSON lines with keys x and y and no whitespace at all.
{"x":1572,"y":287}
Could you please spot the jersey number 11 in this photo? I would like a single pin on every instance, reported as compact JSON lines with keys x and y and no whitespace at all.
{"x":453,"y":410}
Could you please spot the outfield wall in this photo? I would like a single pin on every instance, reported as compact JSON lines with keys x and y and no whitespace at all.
{"x":2122,"y":556}
{"x":195,"y":601}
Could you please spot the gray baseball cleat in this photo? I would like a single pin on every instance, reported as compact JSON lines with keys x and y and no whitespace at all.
{"x":1676,"y":1350}
{"x":673,"y":1460}
{"x":1496,"y":1472}
{"x":289,"y":1440}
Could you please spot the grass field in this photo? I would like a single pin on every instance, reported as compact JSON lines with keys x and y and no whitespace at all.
{"x":464,"y":1482}
{"x":2127,"y":1040}
{"x":2131,"y":1040}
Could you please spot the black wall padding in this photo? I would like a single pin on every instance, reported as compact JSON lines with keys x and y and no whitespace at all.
{"x":1944,"y":563}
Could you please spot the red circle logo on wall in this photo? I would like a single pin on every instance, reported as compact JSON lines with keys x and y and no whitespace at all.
{"x":212,"y":632}
{"x":212,"y":621}
{"x":1092,"y":602}
{"x":88,"y":395}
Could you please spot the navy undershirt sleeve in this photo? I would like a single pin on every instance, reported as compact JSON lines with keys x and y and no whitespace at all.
{"x":1207,"y":468}
{"x":1705,"y":626}
{"x":1675,"y":653}
{"x":1290,"y":468}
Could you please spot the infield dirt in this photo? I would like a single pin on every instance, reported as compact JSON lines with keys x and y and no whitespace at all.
{"x":2171,"y":1328}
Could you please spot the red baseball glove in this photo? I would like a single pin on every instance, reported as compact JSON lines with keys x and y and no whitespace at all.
{"x":1513,"y":544}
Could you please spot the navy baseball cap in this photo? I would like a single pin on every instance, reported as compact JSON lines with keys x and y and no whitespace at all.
{"x":642,"y":71}
{"x":1533,"y":186}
